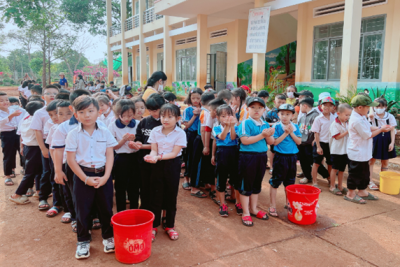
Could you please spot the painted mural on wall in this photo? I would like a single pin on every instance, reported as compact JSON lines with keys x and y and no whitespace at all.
{"x":182,"y":88}
{"x":282,"y":59}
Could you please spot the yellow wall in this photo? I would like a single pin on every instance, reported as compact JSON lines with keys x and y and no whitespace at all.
{"x":390,"y":9}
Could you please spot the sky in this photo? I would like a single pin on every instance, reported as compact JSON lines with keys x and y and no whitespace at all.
{"x":94,"y":54}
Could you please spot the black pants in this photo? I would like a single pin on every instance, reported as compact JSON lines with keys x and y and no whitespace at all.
{"x":45,"y":181}
{"x":305,"y":156}
{"x":88,"y":197}
{"x":207,"y":170}
{"x":9,"y":146}
{"x":33,"y":169}
{"x":68,"y":190}
{"x":195,"y":168}
{"x":358,"y":175}
{"x":146,"y":189}
{"x":127,"y":180}
{"x":191,"y":136}
{"x":165,"y":183}
{"x":227,"y":166}
{"x":57,"y":193}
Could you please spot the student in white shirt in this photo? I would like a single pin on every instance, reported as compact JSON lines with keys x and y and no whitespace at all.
{"x":31,"y":151}
{"x":90,"y":156}
{"x":107,"y":114}
{"x":166,"y":142}
{"x":124,"y":131}
{"x":359,"y":149}
{"x":9,"y":120}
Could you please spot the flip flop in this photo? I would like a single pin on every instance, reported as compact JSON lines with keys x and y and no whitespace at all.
{"x":356,"y":199}
{"x":373,"y":186}
{"x":272,"y":212}
{"x":9,"y":182}
{"x":30,"y":192}
{"x":247,"y":219}
{"x":74,"y":228}
{"x":370,"y":197}
{"x":304,"y":181}
{"x":336,"y":191}
{"x":22,"y":200}
{"x":344,"y":191}
{"x":45,"y":204}
{"x":66,"y":215}
{"x":54,"y":211}
{"x":260,"y":215}
{"x":199,"y":194}
{"x":186,"y":186}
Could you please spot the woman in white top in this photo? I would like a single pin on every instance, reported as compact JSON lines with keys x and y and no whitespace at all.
{"x":81,"y":82}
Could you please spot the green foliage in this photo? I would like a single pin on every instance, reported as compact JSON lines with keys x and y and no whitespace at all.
{"x":275,"y":87}
{"x":378,"y":94}
{"x":244,"y":73}
{"x":169,"y":89}
{"x":351,"y":93}
{"x":286,"y":56}
{"x":36,"y":65}
{"x":4,"y":64}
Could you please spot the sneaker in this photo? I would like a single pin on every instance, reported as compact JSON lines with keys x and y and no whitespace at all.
{"x":109,"y":245}
{"x":83,"y":250}
{"x":223,"y":210}
{"x":239,"y":209}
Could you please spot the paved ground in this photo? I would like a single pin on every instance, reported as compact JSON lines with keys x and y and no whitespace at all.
{"x":345,"y":234}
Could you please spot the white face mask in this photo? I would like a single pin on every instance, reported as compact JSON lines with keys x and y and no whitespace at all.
{"x":380,"y":110}
{"x":160,"y":87}
{"x":290,"y":94}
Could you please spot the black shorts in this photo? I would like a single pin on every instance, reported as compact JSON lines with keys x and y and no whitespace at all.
{"x":252,"y":167}
{"x":358,"y":175}
{"x":226,"y":166}
{"x":283,"y":170}
{"x":339,"y":162}
{"x":272,"y":148}
{"x":317,"y":158}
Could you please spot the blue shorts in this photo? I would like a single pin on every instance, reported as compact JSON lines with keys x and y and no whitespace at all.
{"x":283,"y":170}
{"x":252,"y":167}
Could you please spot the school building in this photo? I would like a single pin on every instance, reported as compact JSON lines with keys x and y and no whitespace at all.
{"x":337,"y":45}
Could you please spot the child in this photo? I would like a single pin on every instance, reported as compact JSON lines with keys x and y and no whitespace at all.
{"x":287,"y":137}
{"x":38,"y":124}
{"x":226,"y":156}
{"x":15,"y":105}
{"x":320,"y":128}
{"x":225,"y":95}
{"x":201,"y":147}
{"x":359,"y":149}
{"x":383,"y":144}
{"x":10,"y":116}
{"x":238,"y":104}
{"x":170,"y":97}
{"x":166,"y":142}
{"x":124,"y":130}
{"x":154,"y":104}
{"x":254,"y":94}
{"x":36,"y":90}
{"x":107,"y":114}
{"x":191,"y":122}
{"x":291,"y":99}
{"x":302,"y":95}
{"x":254,"y":135}
{"x":307,"y":138}
{"x":264,"y":95}
{"x":338,"y":136}
{"x":33,"y":164}
{"x":91,"y":87}
{"x":272,"y":118}
{"x":140,"y":108}
{"x":90,"y":156}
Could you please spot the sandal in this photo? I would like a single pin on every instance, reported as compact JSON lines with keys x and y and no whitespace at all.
{"x":74,"y":228}
{"x":66,"y":216}
{"x":199,"y":194}
{"x":183,"y":165}
{"x":186,"y":186}
{"x":239,"y":209}
{"x":344,"y":191}
{"x":230,"y":199}
{"x":247,"y":219}
{"x":304,"y":181}
{"x":54,"y":211}
{"x":36,"y":195}
{"x":172,"y":233}
{"x":373,"y":186}
{"x":317,"y":186}
{"x":153,"y":234}
{"x":45,"y":204}
{"x":300,"y":175}
{"x":262,"y":215}
{"x":30,"y":192}
{"x":8,"y":182}
{"x":272,"y":212}
{"x":369,"y":197}
{"x":96,"y":224}
{"x":267,"y":167}
{"x":22,"y":200}
{"x":356,"y":199}
{"x":164,"y":222}
{"x":336,"y":192}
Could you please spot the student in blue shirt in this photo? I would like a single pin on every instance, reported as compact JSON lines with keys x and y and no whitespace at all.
{"x":287,"y":136}
{"x":226,"y":156}
{"x":254,"y":136}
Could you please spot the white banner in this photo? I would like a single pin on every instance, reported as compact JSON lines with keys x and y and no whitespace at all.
{"x":257,"y":31}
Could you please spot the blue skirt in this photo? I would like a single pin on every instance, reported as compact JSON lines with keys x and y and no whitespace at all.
{"x":380,"y":148}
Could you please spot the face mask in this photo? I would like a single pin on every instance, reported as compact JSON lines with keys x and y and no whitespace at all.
{"x":160,"y":87}
{"x":380,"y":110}
{"x":290,"y":94}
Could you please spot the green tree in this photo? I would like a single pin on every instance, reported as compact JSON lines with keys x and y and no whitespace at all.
{"x":4,"y":64}
{"x":36,"y":65}
{"x":286,"y":56}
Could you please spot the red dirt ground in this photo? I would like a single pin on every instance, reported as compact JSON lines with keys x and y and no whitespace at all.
{"x":10,"y":90}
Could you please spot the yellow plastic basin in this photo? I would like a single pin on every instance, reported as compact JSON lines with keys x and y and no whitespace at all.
{"x":390,"y":183}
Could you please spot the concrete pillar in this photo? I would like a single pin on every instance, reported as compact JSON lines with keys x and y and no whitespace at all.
{"x":168,"y":53}
{"x":142,"y":46}
{"x":351,"y":45}
{"x":134,"y":64}
{"x":301,"y":43}
{"x":201,"y":72}
{"x":110,"y":76}
{"x":233,"y":53}
{"x":124,"y":51}
{"x":394,"y":65}
{"x":258,"y":77}
{"x":151,"y":58}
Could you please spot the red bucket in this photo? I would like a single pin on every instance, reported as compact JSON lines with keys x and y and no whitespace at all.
{"x":132,"y":235}
{"x":302,"y":203}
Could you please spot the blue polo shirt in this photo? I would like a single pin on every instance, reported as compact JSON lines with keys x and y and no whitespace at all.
{"x":251,"y":127}
{"x":187,"y":116}
{"x":228,"y":141}
{"x":63,"y":81}
{"x":287,"y":146}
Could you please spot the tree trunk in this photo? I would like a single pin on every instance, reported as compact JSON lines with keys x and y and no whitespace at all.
{"x":44,"y":59}
{"x":287,"y":60}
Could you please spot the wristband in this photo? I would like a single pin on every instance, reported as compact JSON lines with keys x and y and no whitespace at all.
{"x":87,"y":177}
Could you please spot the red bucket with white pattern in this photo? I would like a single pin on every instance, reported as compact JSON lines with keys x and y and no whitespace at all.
{"x":302,"y":203}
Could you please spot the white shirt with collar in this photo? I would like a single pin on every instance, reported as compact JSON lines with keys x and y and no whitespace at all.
{"x":118,"y":130}
{"x":359,"y":146}
{"x":39,"y":120}
{"x":321,"y":125}
{"x":28,"y":135}
{"x":90,"y":149}
{"x":5,"y":124}
{"x":50,"y":134}
{"x":166,"y":143}
{"x":107,"y":120}
{"x":338,"y":147}
{"x":47,"y":126}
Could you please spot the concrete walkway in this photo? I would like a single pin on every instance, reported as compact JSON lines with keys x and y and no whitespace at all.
{"x":345,"y":234}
